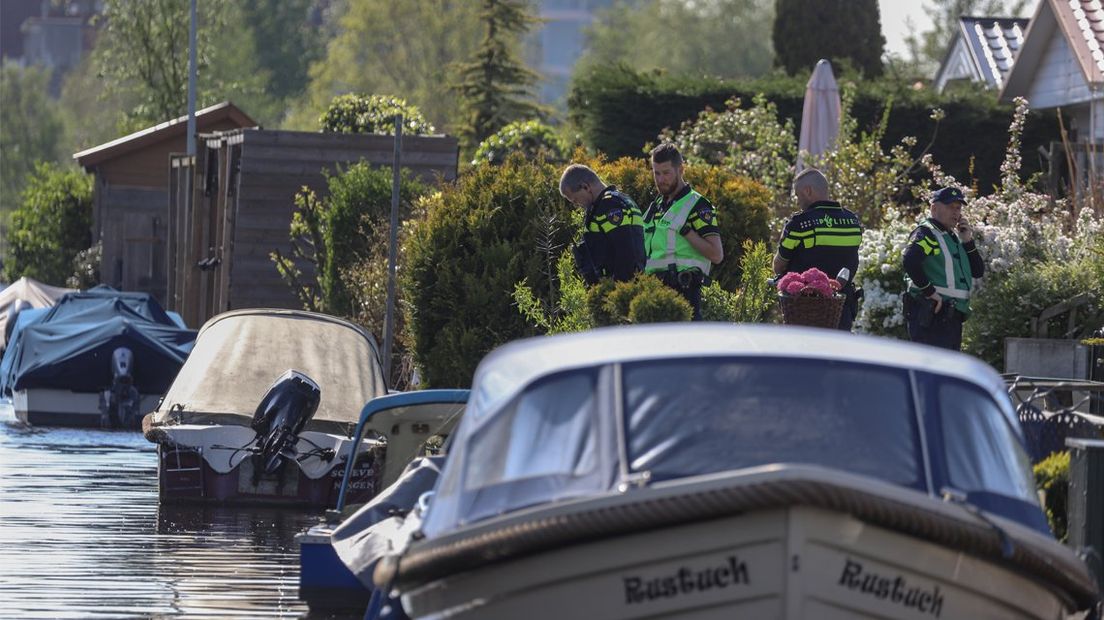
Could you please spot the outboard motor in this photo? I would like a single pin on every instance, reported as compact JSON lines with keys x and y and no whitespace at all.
{"x":119,"y":403}
{"x":285,"y":409}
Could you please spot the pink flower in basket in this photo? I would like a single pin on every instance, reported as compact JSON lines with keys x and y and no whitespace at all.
{"x":810,"y":283}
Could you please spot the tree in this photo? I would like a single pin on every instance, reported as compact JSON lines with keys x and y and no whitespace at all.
{"x":142,"y":51}
{"x":495,"y":87}
{"x":30,"y":128}
{"x":724,"y":38}
{"x":928,"y":48}
{"x":373,"y":114}
{"x":847,"y":32}
{"x":52,"y":224}
{"x":287,"y":35}
{"x":403,"y":49}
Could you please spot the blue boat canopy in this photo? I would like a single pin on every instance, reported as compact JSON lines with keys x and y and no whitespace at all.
{"x":69,"y":345}
{"x":572,"y":417}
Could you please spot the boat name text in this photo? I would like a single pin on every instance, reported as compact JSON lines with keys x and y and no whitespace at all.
{"x":686,"y":581}
{"x":895,"y":589}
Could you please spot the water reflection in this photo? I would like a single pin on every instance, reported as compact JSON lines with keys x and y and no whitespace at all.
{"x":82,"y":536}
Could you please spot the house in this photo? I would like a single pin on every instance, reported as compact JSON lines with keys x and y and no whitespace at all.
{"x":983,"y":50}
{"x":230,"y":208}
{"x":1061,"y":65}
{"x":130,"y":194}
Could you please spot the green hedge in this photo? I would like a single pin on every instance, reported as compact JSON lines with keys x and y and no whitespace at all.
{"x":617,"y":111}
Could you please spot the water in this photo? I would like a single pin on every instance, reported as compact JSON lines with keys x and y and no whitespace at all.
{"x":82,"y":536}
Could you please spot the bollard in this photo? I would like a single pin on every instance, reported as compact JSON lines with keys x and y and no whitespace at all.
{"x":1086,"y":503}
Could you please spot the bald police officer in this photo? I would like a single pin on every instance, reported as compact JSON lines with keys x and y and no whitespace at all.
{"x":612,"y":243}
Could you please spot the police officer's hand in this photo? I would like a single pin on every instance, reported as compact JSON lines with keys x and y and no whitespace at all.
{"x":965,"y":233}
{"x":938,"y":299}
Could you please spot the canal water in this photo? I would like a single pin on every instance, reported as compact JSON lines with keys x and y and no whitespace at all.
{"x":82,"y":536}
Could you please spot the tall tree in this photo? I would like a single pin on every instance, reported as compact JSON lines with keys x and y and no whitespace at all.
{"x":287,"y":35}
{"x":928,"y":48}
{"x":725,"y":38}
{"x":404,"y":49}
{"x":847,"y":32}
{"x":495,"y":86}
{"x":142,"y":50}
{"x":30,"y":128}
{"x":52,"y":224}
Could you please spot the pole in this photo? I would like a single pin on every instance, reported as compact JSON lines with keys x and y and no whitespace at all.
{"x":392,"y":250}
{"x":192,"y":81}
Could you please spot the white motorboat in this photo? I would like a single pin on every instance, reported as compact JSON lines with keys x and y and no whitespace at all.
{"x":720,"y":471}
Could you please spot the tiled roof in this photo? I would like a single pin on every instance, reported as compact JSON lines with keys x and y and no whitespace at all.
{"x":1083,"y":22}
{"x":994,"y":44}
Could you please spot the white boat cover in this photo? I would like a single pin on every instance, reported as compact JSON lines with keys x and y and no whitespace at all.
{"x":239,"y":354}
{"x":32,"y":291}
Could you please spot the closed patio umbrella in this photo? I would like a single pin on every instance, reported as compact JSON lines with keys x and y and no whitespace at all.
{"x":820,"y":116}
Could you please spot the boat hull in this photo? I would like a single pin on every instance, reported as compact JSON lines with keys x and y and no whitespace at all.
{"x":325,"y":583}
{"x":796,"y":562}
{"x":49,"y":407}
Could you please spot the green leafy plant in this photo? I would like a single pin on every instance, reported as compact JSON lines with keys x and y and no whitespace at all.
{"x":754,"y":301}
{"x":531,"y":138}
{"x":356,"y":113}
{"x":1052,"y":479}
{"x":52,"y":224}
{"x":86,"y":268}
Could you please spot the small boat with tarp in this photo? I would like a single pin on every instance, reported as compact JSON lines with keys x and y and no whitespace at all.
{"x":99,"y":357}
{"x":720,"y":471}
{"x":264,"y":411}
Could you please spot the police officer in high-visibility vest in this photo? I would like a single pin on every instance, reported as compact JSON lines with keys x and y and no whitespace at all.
{"x":941,"y":262}
{"x":681,"y":236}
{"x":823,"y":235}
{"x":612,"y":243}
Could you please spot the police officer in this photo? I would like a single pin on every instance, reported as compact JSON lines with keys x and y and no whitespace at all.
{"x":941,"y":262}
{"x":681,"y":236}
{"x":822,"y":235}
{"x":612,"y":243}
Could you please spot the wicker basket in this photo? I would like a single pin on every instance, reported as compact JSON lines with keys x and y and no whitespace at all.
{"x":811,"y":311}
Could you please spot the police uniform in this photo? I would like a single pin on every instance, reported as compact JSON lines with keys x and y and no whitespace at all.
{"x":612,"y":244}
{"x":825,"y":236}
{"x":936,"y":260}
{"x":670,"y":256}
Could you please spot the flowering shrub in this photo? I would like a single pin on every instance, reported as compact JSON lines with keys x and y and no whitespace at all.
{"x":809,"y":283}
{"x":530,"y":138}
{"x":353,"y":113}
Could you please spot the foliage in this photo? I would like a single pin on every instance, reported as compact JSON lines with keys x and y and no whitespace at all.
{"x":376,"y":114}
{"x":751,"y":142}
{"x":882,"y":276}
{"x":152,"y":37}
{"x":847,"y":32}
{"x":727,"y":38}
{"x":573,"y":311}
{"x":86,"y":268}
{"x":617,"y":111}
{"x":382,"y":46}
{"x":495,"y":86}
{"x":288,"y":37}
{"x":754,"y":300}
{"x":30,"y":128}
{"x":531,"y":138}
{"x":465,"y":257}
{"x":1052,"y":478}
{"x":334,"y":233}
{"x":928,"y":48}
{"x":52,"y":224}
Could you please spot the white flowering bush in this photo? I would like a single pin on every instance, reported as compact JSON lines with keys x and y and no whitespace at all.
{"x":882,"y":276}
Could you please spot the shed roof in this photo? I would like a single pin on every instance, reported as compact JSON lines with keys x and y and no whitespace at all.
{"x":984,"y":49}
{"x":152,"y":135}
{"x":1080,"y":22}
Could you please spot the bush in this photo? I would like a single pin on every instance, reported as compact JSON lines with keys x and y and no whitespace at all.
{"x":1052,"y":478}
{"x":619,"y":110}
{"x":755,"y":299}
{"x":52,"y":224}
{"x":355,"y":113}
{"x":86,"y":268}
{"x":533,"y":139}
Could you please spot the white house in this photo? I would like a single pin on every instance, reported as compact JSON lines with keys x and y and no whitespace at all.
{"x":983,"y":50}
{"x":1061,"y":65}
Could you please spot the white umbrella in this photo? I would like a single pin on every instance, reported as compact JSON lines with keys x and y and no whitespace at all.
{"x":820,"y":116}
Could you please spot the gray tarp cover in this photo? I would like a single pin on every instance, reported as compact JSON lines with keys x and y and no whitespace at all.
{"x":381,"y":526}
{"x":239,"y":354}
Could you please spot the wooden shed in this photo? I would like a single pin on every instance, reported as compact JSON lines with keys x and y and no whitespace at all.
{"x":231,"y":205}
{"x":130,"y":192}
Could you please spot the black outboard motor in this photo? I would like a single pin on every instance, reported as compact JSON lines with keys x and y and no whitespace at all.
{"x":280,"y":417}
{"x":119,"y":403}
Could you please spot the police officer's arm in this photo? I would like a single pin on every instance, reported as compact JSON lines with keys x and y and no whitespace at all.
{"x":626,"y":244}
{"x":977,"y":266}
{"x":789,"y":244}
{"x":702,"y":232}
{"x":920,"y":246}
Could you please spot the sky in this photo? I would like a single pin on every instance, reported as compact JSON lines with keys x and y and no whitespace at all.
{"x":894,"y":14}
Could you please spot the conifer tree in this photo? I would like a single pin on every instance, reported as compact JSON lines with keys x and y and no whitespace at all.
{"x":495,"y":87}
{"x":840,"y":30}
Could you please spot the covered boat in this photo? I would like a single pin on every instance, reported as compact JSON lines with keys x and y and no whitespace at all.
{"x":97,"y":358}
{"x":720,"y":471}
{"x":25,"y":293}
{"x":264,"y":411}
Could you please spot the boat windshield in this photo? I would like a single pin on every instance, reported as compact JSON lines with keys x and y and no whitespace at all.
{"x":687,"y":417}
